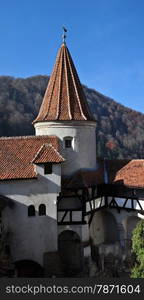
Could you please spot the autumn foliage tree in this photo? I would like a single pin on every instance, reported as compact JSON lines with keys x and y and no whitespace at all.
{"x":119,"y":131}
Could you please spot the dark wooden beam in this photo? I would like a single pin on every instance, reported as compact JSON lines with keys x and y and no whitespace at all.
{"x":113,"y":204}
{"x":139,"y":204}
{"x":64,"y":216}
{"x":68,"y":209}
{"x":126,"y":200}
{"x":91,"y":217}
{"x":72,"y":223}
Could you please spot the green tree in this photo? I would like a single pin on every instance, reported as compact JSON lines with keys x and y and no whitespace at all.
{"x":138,"y":250}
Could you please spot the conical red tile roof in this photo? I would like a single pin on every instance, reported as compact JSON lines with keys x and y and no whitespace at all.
{"x":64,"y":98}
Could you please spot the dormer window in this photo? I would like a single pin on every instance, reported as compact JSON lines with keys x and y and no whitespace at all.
{"x":68,"y":142}
{"x":48,"y":168}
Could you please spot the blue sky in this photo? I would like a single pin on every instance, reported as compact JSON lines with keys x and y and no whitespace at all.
{"x":105,"y":38}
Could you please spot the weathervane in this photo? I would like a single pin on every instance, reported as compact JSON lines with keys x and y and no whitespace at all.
{"x":64,"y":34}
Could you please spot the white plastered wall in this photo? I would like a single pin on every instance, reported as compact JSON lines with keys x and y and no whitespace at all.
{"x":83,"y":152}
{"x":30,"y":237}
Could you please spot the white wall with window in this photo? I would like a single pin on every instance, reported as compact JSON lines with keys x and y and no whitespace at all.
{"x":77,"y":142}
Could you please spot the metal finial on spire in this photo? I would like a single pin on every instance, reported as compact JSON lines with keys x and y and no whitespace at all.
{"x":64,"y":34}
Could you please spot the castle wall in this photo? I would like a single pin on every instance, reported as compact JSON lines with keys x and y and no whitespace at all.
{"x":83,"y":232}
{"x":83,"y":151}
{"x":124,"y":215}
{"x":31,"y":236}
{"x":111,"y":232}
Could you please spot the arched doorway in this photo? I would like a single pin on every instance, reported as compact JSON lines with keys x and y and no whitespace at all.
{"x":70,"y":250}
{"x":103,"y":230}
{"x":29,"y":269}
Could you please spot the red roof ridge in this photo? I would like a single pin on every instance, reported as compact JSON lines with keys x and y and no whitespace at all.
{"x":74,"y":83}
{"x":123,"y":159}
{"x":56,"y":151}
{"x":38,"y":153}
{"x":42,"y":149}
{"x":28,"y":137}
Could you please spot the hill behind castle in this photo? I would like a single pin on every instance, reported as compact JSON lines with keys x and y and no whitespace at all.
{"x":120,"y":130}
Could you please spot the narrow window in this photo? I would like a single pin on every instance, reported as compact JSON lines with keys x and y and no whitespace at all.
{"x":48,"y":168}
{"x":7,"y":249}
{"x":31,"y":211}
{"x":42,"y":210}
{"x":68,"y":142}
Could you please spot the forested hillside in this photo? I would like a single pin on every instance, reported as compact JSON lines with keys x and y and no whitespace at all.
{"x":120,"y":130}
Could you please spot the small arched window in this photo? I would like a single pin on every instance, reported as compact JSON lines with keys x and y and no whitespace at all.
{"x":68,"y":142}
{"x":42,"y":210}
{"x":31,"y":211}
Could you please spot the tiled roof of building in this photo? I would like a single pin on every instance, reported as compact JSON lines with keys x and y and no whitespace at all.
{"x":126,"y":172}
{"x":47,"y":153}
{"x":64,"y":98}
{"x":84,"y":178}
{"x":17,"y":153}
{"x":118,"y":171}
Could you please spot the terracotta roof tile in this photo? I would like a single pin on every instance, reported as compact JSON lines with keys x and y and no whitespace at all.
{"x":47,"y":153}
{"x":125,"y":171}
{"x":64,"y":98}
{"x":17,"y":153}
{"x":119,"y":172}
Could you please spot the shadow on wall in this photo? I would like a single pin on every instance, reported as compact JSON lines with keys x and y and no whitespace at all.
{"x":103,"y":230}
{"x":32,"y":232}
{"x":131,"y":223}
{"x":32,"y":242}
{"x":71,"y":252}
{"x":28,"y":269}
{"x":29,"y":187}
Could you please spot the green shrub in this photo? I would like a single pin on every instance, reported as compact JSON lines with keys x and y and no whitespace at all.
{"x":138,"y":250}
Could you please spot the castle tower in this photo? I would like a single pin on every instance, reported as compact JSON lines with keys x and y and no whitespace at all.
{"x":64,"y":112}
